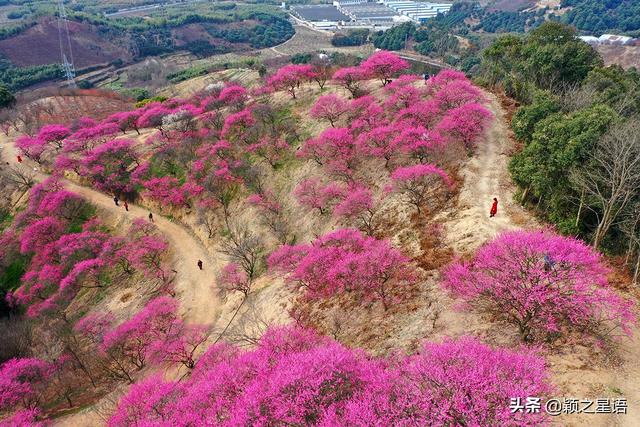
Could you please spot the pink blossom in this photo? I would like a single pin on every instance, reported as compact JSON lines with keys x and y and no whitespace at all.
{"x":546,"y":285}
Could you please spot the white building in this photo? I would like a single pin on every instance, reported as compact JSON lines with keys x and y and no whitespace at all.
{"x":615,"y":39}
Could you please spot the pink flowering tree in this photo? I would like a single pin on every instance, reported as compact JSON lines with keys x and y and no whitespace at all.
{"x":345,"y":261}
{"x":403,"y":97}
{"x":152,"y":117}
{"x":381,"y":142}
{"x":421,"y":144}
{"x":314,"y":194}
{"x":32,"y":148}
{"x":330,"y":108}
{"x":296,"y":377}
{"x":358,"y":207}
{"x":457,"y":93}
{"x":350,"y":78}
{"x":546,"y":285}
{"x":109,"y":166}
{"x":335,"y":148}
{"x":383,"y":65}
{"x":290,"y":77}
{"x":236,"y":125}
{"x":443,"y":78}
{"x":127,"y":347}
{"x":54,"y":135}
{"x":145,"y":250}
{"x":126,"y":120}
{"x":465,"y":124}
{"x":23,"y":383}
{"x":271,"y":150}
{"x":234,"y":96}
{"x":458,"y":382}
{"x":233,"y":278}
{"x":168,"y":190}
{"x":421,"y":183}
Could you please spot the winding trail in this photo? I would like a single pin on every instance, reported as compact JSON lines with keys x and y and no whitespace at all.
{"x":485,"y":177}
{"x":194,"y":288}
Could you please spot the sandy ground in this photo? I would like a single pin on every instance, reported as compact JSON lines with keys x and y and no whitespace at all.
{"x":485,"y":177}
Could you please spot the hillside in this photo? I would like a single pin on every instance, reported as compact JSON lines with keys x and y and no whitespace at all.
{"x":352,"y":205}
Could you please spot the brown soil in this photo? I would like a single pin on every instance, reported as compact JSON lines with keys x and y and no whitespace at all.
{"x":40,"y":45}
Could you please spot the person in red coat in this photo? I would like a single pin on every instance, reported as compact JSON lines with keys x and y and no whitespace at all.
{"x":494,"y":208}
{"x":19,"y":159}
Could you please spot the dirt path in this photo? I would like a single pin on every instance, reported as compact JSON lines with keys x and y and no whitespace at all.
{"x":486,"y":177}
{"x":199,"y":303}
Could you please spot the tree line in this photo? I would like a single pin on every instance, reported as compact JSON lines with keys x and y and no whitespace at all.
{"x":579,"y":166}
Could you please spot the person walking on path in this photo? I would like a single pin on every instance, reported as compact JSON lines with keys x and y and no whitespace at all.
{"x":150,"y":217}
{"x":19,"y":159}
{"x":200,"y":264}
{"x":116,"y":200}
{"x":126,"y":206}
{"x":494,"y":208}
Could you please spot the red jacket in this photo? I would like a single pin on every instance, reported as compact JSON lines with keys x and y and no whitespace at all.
{"x":494,"y":208}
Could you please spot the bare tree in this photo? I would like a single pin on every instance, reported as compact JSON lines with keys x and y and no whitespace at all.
{"x":17,"y":338}
{"x":630,"y":227}
{"x":250,"y":326}
{"x":245,"y":248}
{"x":612,"y":178}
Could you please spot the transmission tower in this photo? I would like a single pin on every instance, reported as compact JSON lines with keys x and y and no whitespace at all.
{"x":63,"y":33}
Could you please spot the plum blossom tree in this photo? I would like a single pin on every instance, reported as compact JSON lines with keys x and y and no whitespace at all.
{"x":421,"y":144}
{"x":40,"y":234}
{"x":296,"y":377}
{"x":169,"y":191}
{"x":109,"y":166}
{"x":421,"y":183}
{"x":233,"y":278}
{"x":329,"y":107}
{"x":127,"y":346}
{"x":322,"y":71}
{"x":383,"y":65}
{"x":272,"y":150}
{"x":54,"y":134}
{"x":237,"y":124}
{"x":358,"y":206}
{"x":23,"y":382}
{"x":234,"y":96}
{"x":381,"y":142}
{"x":547,"y":285}
{"x":145,"y":250}
{"x":152,"y":116}
{"x":344,"y":261}
{"x":32,"y":148}
{"x":350,"y":78}
{"x":457,"y":93}
{"x":457,"y":382}
{"x":126,"y":120}
{"x":465,"y":123}
{"x":314,"y":194}
{"x":336,"y":149}
{"x":290,"y":77}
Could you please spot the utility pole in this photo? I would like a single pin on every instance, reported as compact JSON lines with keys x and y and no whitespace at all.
{"x":63,"y":27}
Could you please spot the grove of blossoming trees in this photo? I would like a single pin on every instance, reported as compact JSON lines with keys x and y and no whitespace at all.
{"x":69,"y":251}
{"x":228,"y":150}
{"x":296,"y":377}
